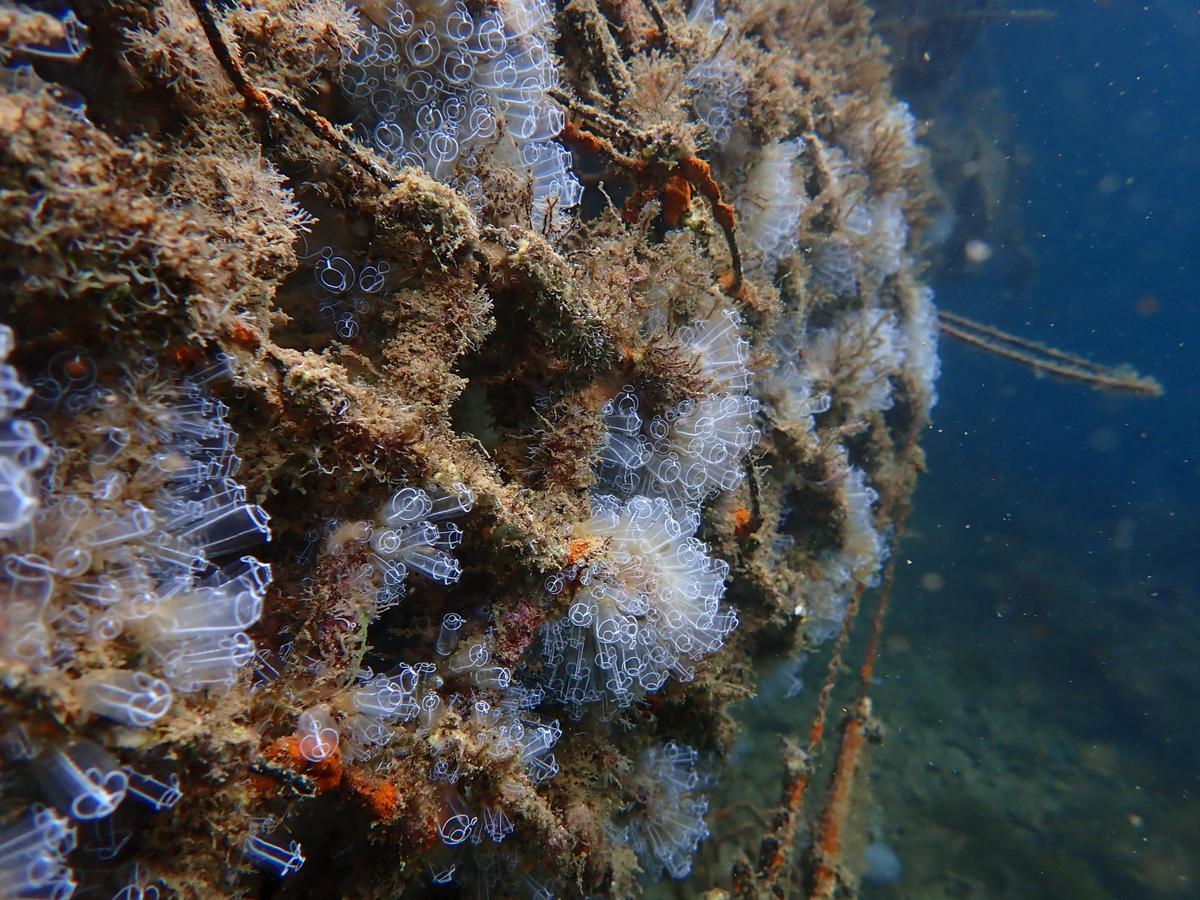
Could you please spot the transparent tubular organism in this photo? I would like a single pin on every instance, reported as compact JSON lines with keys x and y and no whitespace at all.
{"x":158,"y":795}
{"x":150,"y":571}
{"x":413,"y":534}
{"x":449,"y":633}
{"x":82,"y":779}
{"x":22,"y":453}
{"x":137,"y":525}
{"x":138,"y":886}
{"x":33,"y":853}
{"x":372,"y":709}
{"x":697,"y":448}
{"x":668,"y":824}
{"x":718,"y":90}
{"x":770,"y":204}
{"x":132,"y":698}
{"x":276,"y":855}
{"x":318,"y":734}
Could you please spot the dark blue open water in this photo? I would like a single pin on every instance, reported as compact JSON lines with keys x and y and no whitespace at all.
{"x":1041,"y":674}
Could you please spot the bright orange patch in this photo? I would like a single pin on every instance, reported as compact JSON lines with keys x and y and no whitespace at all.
{"x":572,"y":134}
{"x":698,"y":173}
{"x":75,"y":367}
{"x":723,"y":213}
{"x":577,"y":550}
{"x":187,"y":357}
{"x":243,"y":335}
{"x":380,"y":796}
{"x":326,"y":774}
{"x":676,"y":198}
{"x":741,"y":523}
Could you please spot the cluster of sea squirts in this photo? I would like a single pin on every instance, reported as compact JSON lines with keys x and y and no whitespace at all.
{"x":442,"y":460}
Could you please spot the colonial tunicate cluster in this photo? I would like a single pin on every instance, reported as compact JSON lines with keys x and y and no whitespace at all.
{"x":696,"y":449}
{"x":770,"y":204}
{"x":871,"y":242}
{"x":647,"y":606}
{"x":445,"y":88}
{"x":838,"y":571}
{"x":856,"y":360}
{"x":718,"y":90}
{"x":665,"y":822}
{"x":921,"y":345}
{"x":878,"y":350}
{"x":647,"y":601}
{"x":21,"y":451}
{"x":789,"y":392}
{"x":139,"y":544}
{"x":33,"y":853}
{"x":464,"y":693}
{"x":413,"y":534}
{"x":125,"y":568}
{"x":344,"y":292}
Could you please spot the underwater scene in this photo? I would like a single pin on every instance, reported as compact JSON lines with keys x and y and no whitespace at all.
{"x":599,"y":448}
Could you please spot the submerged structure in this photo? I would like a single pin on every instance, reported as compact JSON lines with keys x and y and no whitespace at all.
{"x":418,"y":421}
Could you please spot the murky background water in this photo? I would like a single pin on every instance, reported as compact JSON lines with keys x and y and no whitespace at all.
{"x":1042,"y":658}
{"x":1042,"y":662}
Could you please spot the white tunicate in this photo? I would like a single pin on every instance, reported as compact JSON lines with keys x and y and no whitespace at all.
{"x":435,"y":84}
{"x":155,"y":571}
{"x":837,"y":573}
{"x":718,"y":90}
{"x":770,"y":204}
{"x":82,"y":779}
{"x":667,"y":824}
{"x":22,"y":452}
{"x":33,"y":854}
{"x":650,"y":609}
{"x":695,"y":449}
{"x":857,"y":358}
{"x":317,"y":733}
{"x":417,"y":536}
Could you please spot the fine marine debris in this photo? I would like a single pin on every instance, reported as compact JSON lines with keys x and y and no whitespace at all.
{"x":421,"y":418}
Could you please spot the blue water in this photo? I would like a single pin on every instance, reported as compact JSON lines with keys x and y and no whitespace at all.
{"x":1040,"y":679}
{"x":1103,"y":92}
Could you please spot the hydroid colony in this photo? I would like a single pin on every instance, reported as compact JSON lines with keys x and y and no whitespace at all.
{"x":438,"y":444}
